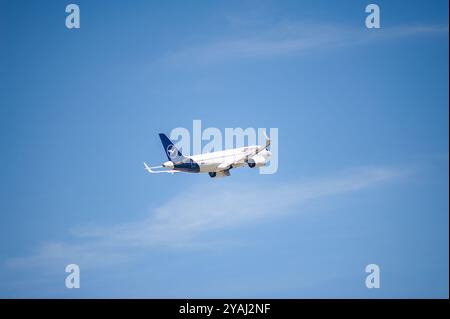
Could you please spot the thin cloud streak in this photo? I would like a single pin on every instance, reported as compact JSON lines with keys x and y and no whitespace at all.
{"x":291,"y":39}
{"x":182,"y":220}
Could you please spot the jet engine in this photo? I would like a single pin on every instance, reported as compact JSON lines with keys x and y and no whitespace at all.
{"x":256,"y":161}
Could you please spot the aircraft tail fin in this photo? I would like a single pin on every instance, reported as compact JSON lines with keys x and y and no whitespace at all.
{"x":172,"y":152}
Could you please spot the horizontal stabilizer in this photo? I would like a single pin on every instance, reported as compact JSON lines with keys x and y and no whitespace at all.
{"x":158,"y":169}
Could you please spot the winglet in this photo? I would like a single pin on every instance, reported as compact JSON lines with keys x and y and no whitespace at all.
{"x":265,"y":135}
{"x":267,"y":142}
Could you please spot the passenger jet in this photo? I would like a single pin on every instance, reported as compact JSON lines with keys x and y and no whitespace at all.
{"x":216,"y":164}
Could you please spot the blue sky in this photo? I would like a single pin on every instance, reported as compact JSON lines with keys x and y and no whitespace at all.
{"x":363,"y":149}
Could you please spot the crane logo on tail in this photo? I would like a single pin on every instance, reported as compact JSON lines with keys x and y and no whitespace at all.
{"x":172,"y":151}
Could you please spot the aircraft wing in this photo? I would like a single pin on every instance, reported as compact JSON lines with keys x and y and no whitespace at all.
{"x":242,"y":158}
{"x":153,"y":171}
{"x":228,"y":164}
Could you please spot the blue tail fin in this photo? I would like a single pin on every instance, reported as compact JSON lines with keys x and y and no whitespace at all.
{"x":173,"y":154}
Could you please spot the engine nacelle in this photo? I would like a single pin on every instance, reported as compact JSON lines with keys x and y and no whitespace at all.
{"x":256,"y":161}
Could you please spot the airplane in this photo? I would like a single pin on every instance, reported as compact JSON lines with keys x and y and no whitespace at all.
{"x":216,"y":164}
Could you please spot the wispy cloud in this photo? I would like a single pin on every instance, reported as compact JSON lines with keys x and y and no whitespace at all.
{"x":180,"y":221}
{"x":290,"y":39}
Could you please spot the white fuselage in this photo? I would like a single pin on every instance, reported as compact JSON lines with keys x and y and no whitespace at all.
{"x":210,"y":162}
{"x":216,"y":164}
